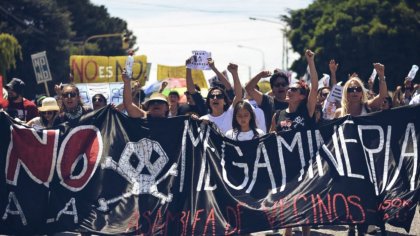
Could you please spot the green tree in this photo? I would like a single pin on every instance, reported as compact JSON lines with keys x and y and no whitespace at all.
{"x":89,"y":20}
{"x":10,"y":49}
{"x":39,"y":26}
{"x":357,"y":33}
{"x":54,"y":26}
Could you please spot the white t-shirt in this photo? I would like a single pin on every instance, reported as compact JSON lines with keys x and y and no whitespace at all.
{"x":259,"y":115}
{"x":242,"y":136}
{"x":223,"y":122}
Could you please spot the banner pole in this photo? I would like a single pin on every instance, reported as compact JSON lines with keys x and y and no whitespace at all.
{"x":46,"y":89}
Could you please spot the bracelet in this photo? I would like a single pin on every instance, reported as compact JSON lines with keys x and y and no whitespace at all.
{"x":382,"y":79}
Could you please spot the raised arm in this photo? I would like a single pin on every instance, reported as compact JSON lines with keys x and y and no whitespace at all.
{"x":233,"y":69}
{"x":314,"y":83}
{"x":132,"y":110}
{"x":250,"y":87}
{"x":383,"y":89}
{"x":189,"y":79}
{"x":333,"y":71}
{"x":219,"y":75}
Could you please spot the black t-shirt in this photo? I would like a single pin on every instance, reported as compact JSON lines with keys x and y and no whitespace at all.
{"x":297,"y":120}
{"x":269,"y":106}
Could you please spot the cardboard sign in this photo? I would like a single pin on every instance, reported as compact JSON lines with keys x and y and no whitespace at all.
{"x":113,"y":92}
{"x":41,"y":67}
{"x":335,"y":94}
{"x":199,"y":60}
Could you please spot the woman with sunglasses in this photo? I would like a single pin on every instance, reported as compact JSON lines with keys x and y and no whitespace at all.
{"x":72,"y":106}
{"x":300,"y":112}
{"x":98,"y":101}
{"x":48,"y":114}
{"x":301,"y":103}
{"x":355,"y":101}
{"x":217,"y":102}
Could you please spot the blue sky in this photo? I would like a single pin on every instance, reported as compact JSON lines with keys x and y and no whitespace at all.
{"x":167,"y":31}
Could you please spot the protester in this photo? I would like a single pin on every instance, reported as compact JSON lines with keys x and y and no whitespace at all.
{"x":387,"y":103}
{"x":244,"y":125}
{"x":192,"y":107}
{"x":279,"y":83}
{"x":195,"y":100}
{"x":173,"y":99}
{"x":48,"y":111}
{"x":16,"y":105}
{"x":354,"y":101}
{"x":98,"y":101}
{"x":156,"y":106}
{"x":217,"y":101}
{"x":72,"y":106}
{"x":403,"y":95}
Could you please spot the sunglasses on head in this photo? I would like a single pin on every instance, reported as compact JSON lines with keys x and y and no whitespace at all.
{"x":280,"y":84}
{"x":47,"y":112}
{"x":69,"y":95}
{"x":217,"y":96}
{"x":98,"y":100}
{"x":354,"y":89}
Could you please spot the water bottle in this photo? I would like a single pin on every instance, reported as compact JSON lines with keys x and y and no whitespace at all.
{"x":129,"y":66}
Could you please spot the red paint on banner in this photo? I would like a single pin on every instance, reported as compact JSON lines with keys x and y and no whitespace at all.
{"x":33,"y":152}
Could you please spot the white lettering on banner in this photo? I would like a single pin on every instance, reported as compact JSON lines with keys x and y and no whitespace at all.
{"x":312,"y":156}
{"x":386,"y":159}
{"x":344,"y":148}
{"x":371,"y":152}
{"x":18,"y":211}
{"x":244,"y":166}
{"x":203,"y":165}
{"x":72,"y":212}
{"x":319,"y":144}
{"x":183,"y":152}
{"x":265,"y":164}
{"x":297,"y":139}
{"x":410,"y":135}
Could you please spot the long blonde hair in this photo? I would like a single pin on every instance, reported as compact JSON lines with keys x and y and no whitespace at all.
{"x":344,"y":100}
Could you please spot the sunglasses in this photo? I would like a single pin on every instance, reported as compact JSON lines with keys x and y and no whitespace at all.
{"x":47,"y":112}
{"x":217,"y":96}
{"x":293,"y":89}
{"x":97,"y":100}
{"x":280,"y":84}
{"x":354,"y":89}
{"x":324,"y":94}
{"x":69,"y":95}
{"x":156,"y":102}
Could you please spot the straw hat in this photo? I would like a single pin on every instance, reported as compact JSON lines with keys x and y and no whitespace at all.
{"x":49,"y":104}
{"x":156,"y":97}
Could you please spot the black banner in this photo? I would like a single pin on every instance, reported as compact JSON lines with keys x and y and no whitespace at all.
{"x":111,"y":174}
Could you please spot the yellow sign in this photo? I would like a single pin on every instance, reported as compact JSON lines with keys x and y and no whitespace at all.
{"x":101,"y":69}
{"x":165,"y":72}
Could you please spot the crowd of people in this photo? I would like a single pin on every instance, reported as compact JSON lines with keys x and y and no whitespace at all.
{"x":239,"y":112}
